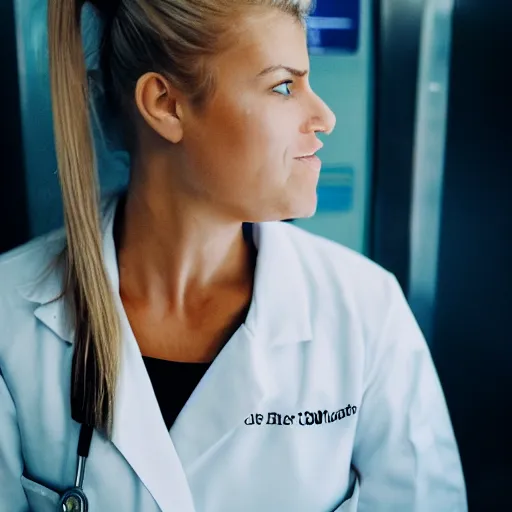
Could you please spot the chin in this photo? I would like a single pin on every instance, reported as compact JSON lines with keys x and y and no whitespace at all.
{"x":289,"y":207}
{"x":304,"y":215}
{"x":301,"y":211}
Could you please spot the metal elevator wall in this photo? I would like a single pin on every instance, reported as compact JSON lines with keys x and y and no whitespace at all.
{"x":472,"y":340}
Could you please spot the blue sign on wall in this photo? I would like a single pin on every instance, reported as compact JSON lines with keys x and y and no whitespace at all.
{"x":333,"y":26}
{"x":336,"y":189}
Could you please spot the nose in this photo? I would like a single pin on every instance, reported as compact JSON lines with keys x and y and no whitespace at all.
{"x":321,"y":118}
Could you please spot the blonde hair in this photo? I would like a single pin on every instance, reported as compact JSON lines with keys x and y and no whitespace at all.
{"x":171,"y":37}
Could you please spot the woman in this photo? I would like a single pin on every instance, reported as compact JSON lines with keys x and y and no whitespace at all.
{"x":300,"y":377}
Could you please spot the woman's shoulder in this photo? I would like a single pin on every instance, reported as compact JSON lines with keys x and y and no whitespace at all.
{"x":25,"y":263}
{"x":341,"y":275}
{"x":21,"y":271}
{"x":320,"y":255}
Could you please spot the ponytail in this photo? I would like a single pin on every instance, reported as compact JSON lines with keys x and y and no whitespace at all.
{"x":97,"y":333}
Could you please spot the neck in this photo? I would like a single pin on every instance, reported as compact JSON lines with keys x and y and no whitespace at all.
{"x":175,"y":255}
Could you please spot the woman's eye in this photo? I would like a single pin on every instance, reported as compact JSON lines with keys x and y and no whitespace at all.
{"x":283,"y":88}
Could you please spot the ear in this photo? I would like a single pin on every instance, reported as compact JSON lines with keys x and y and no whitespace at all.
{"x":159,"y":104}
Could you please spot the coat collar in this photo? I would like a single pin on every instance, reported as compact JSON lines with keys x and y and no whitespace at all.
{"x":279,"y":312}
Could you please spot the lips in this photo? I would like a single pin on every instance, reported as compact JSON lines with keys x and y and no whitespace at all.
{"x":310,"y":159}
{"x":309,"y":152}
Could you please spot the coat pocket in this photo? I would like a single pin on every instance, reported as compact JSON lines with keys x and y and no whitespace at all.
{"x":39,"y":497}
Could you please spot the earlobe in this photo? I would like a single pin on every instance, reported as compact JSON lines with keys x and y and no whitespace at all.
{"x":157,"y":103}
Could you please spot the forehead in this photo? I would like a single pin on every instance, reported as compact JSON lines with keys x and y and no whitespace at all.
{"x":261,"y":39}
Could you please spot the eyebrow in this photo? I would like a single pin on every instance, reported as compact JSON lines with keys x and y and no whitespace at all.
{"x":292,"y":71}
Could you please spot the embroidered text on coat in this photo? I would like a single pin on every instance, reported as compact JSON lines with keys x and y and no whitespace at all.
{"x":305,"y":418}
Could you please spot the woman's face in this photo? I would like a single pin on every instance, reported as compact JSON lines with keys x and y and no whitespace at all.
{"x":247,"y":151}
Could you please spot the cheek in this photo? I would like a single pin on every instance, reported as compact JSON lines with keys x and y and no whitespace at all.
{"x":267,"y":135}
{"x":246,"y":146}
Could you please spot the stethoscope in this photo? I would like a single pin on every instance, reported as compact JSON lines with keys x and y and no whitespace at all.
{"x":74,"y":498}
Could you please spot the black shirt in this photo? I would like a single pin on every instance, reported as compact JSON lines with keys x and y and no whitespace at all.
{"x":173,"y":383}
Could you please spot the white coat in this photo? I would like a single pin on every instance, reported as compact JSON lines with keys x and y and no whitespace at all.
{"x":326,"y":399}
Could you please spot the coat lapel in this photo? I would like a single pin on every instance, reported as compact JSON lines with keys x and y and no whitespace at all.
{"x":234,"y":386}
{"x":140,"y":433}
{"x":46,"y":291}
{"x":242,"y":377}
